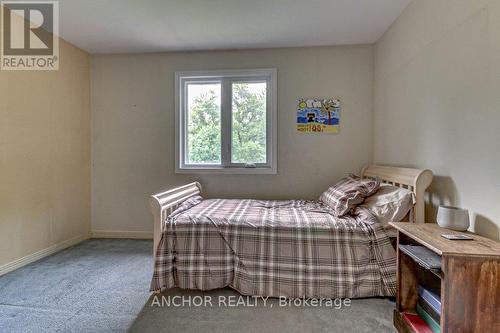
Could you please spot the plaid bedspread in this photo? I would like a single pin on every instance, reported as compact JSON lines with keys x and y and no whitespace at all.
{"x":274,"y":248}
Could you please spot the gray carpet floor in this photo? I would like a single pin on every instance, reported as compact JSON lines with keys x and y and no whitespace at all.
{"x":102,"y":286}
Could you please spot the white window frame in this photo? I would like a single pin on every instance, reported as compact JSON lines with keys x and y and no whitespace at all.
{"x":226,"y":77}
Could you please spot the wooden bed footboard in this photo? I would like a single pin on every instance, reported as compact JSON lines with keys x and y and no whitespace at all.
{"x":163,"y":204}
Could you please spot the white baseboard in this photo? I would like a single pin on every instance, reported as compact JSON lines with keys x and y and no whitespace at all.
{"x":122,"y":234}
{"x":18,"y":263}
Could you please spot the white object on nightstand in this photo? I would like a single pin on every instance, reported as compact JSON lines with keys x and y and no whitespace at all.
{"x":453,"y":218}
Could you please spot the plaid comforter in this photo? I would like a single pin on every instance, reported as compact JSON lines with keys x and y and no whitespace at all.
{"x":274,"y":248}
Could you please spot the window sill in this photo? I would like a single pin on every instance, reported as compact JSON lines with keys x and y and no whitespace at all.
{"x":228,"y":171}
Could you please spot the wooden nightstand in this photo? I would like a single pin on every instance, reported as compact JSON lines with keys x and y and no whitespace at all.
{"x":468,"y":282}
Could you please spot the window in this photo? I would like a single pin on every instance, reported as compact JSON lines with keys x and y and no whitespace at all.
{"x":226,"y":121}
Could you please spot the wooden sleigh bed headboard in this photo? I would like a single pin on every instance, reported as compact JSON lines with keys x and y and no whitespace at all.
{"x":415,"y":180}
{"x":164,"y":203}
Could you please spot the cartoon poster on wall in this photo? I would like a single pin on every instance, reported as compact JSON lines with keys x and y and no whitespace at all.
{"x":318,"y":115}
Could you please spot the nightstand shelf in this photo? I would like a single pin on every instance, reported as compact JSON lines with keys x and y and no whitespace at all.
{"x":468,"y":283}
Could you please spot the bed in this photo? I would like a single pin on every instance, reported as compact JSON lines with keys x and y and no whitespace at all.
{"x":293,"y":248}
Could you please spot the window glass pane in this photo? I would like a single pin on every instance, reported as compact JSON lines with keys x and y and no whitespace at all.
{"x":204,"y":123}
{"x":248,"y":122}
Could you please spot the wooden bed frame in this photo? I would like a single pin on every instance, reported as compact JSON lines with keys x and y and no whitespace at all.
{"x":416,"y":180}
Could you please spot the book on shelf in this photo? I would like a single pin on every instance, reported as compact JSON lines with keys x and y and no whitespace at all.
{"x":429,"y":310}
{"x":433,"y":300}
{"x":417,"y":324}
{"x":423,"y":256}
{"x":435,"y":327}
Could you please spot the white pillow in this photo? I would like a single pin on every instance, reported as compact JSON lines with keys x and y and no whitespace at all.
{"x":390,"y":203}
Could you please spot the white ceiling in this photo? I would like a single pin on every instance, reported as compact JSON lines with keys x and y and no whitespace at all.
{"x":124,"y":26}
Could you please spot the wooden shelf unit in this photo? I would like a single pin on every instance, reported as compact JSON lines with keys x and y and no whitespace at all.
{"x":468,"y":284}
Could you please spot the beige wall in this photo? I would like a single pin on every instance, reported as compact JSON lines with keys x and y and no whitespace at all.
{"x":44,"y":156}
{"x":133,"y":127}
{"x":437,"y":102}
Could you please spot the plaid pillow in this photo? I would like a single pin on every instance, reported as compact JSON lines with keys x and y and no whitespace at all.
{"x":348,"y":193}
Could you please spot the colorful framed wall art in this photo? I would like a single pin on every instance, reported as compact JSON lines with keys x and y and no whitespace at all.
{"x":318,"y":115}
